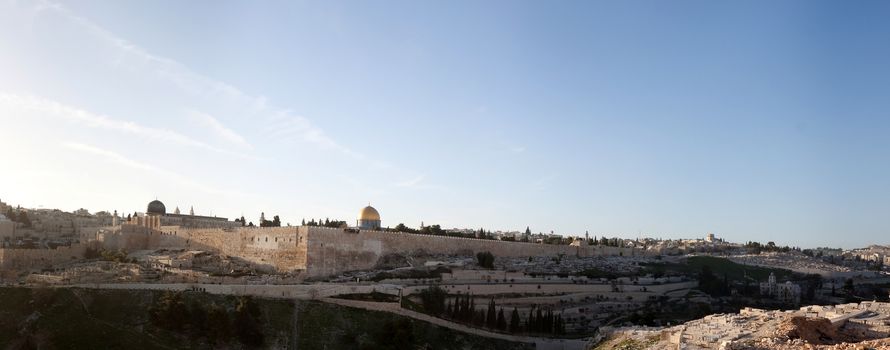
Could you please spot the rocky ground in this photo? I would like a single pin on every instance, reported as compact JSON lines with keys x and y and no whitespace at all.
{"x":782,"y":331}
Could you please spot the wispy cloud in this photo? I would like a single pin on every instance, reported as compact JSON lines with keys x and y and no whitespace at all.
{"x":418,"y":183}
{"x":544,"y":182}
{"x":287,"y":125}
{"x":215,"y":126}
{"x":130,"y":163}
{"x":411,"y":182}
{"x":99,"y":121}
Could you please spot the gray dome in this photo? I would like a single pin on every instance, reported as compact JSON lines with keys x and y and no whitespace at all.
{"x":156,"y":207}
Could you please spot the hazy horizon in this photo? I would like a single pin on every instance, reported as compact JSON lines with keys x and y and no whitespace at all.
{"x":668,"y":120}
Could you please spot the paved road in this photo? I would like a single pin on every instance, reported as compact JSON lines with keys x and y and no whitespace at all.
{"x":540,"y":343}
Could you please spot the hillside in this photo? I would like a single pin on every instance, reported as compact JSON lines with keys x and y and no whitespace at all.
{"x":90,"y":319}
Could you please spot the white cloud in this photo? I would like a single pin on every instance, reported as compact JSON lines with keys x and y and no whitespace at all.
{"x":412,"y":182}
{"x":418,"y":183}
{"x":93,"y":120}
{"x":209,"y":122}
{"x":130,"y":163}
{"x":288,"y":126}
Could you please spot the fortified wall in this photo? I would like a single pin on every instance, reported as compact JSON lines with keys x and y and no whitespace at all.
{"x":321,"y":251}
{"x":27,"y":259}
{"x":331,"y":251}
{"x":271,"y":249}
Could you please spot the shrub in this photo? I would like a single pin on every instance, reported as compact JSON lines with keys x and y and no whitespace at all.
{"x":485,"y":259}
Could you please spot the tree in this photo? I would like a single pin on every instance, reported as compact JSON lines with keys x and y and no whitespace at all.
{"x":243,"y":223}
{"x":491,"y":320}
{"x":433,"y":300}
{"x":276,"y":222}
{"x":848,"y":286}
{"x":527,"y":231}
{"x":485,"y":259}
{"x":397,"y":334}
{"x":247,"y":327}
{"x":218,"y":324}
{"x":303,"y":223}
{"x":514,"y":321}
{"x":169,"y":312}
{"x":197,"y":320}
{"x":501,"y":321}
{"x":23,"y":218}
{"x":10,"y":214}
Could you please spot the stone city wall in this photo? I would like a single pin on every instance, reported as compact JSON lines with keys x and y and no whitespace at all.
{"x":277,"y":249}
{"x":321,"y":251}
{"x":27,"y":259}
{"x":332,"y":251}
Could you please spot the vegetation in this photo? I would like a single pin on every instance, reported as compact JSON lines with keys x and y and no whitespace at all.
{"x":485,"y":259}
{"x":65,"y":318}
{"x":325,"y":223}
{"x":335,"y":327}
{"x":119,"y":256}
{"x":19,"y":216}
{"x":435,"y":301}
{"x":757,"y":248}
{"x":373,"y":296}
{"x":411,"y":274}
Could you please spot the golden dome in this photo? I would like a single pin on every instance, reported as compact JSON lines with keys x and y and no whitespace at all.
{"x":369,"y":213}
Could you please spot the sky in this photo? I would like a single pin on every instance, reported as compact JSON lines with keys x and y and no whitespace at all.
{"x":754,"y":120}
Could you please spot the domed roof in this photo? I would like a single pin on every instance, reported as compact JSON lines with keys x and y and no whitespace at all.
{"x":156,"y":207}
{"x":369,"y":213}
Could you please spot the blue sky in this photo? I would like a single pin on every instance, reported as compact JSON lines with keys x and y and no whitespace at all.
{"x":756,"y":120}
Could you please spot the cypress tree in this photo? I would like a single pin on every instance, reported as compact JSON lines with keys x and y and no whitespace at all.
{"x":501,"y":320}
{"x":514,"y":321}
{"x":491,"y":320}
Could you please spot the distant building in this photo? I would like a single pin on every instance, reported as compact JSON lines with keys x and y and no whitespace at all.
{"x":785,"y":292}
{"x":7,"y":227}
{"x":710,"y":238}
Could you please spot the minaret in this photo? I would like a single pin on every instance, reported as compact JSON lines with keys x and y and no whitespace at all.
{"x":191,"y":210}
{"x":262,"y":217}
{"x":176,"y":211}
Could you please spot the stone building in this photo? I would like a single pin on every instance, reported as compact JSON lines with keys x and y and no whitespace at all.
{"x":156,"y":216}
{"x":785,"y":292}
{"x":7,"y":227}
